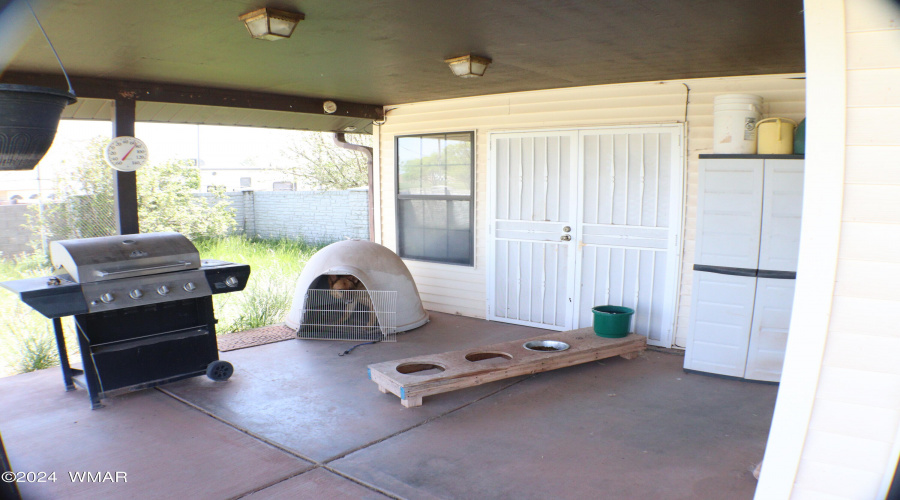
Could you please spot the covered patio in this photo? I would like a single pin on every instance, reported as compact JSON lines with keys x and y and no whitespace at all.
{"x":298,"y":421}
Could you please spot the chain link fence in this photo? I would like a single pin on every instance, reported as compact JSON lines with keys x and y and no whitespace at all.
{"x":83,"y":216}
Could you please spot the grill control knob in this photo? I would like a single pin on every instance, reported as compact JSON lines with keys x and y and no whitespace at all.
{"x":135,"y":294}
{"x":162,"y":290}
{"x":190,"y":286}
{"x":231,"y":281}
{"x":107,"y":298}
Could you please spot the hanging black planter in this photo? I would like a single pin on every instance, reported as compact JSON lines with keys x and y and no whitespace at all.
{"x":29,"y":117}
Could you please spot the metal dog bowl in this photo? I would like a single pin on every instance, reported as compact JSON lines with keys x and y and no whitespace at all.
{"x":545,"y":345}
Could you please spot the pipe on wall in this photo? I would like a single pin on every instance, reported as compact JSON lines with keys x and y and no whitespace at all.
{"x":370,"y":166}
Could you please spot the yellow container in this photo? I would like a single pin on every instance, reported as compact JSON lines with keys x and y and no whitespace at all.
{"x":775,"y":136}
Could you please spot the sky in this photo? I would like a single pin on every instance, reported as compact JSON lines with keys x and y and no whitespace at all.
{"x":219,"y":147}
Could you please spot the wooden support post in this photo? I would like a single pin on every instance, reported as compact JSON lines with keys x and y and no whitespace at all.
{"x":125,"y":183}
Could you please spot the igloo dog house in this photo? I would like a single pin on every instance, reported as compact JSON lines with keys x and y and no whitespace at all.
{"x":378,"y":268}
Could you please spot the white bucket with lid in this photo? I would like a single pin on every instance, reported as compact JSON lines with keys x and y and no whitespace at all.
{"x":734,"y":123}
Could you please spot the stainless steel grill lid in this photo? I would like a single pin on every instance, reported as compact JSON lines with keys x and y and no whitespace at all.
{"x":124,"y":256}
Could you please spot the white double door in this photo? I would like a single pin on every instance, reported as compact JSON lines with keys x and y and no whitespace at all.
{"x":580,"y":218}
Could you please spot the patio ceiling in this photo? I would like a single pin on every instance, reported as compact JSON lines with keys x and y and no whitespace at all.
{"x":386,"y":52}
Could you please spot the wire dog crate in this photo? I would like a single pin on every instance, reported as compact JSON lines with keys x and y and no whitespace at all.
{"x":356,"y":315}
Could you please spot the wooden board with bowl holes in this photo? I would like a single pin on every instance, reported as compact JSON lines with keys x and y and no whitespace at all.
{"x":494,"y":362}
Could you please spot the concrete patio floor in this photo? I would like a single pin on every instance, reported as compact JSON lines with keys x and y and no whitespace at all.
{"x":298,"y":421}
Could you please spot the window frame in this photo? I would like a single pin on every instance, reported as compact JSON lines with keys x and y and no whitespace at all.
{"x":470,"y":198}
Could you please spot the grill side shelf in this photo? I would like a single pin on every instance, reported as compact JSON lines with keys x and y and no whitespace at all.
{"x":219,"y":272}
{"x":53,"y":301}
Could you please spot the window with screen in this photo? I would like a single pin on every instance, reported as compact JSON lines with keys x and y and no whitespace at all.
{"x":435,"y":209}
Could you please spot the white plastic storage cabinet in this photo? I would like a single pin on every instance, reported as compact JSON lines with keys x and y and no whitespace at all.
{"x":748,"y":235}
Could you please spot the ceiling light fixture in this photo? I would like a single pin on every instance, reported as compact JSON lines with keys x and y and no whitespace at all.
{"x":468,"y":66}
{"x":271,"y":24}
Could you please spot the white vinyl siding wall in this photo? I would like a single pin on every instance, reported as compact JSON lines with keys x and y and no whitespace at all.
{"x":852,"y":444}
{"x":462,"y":290}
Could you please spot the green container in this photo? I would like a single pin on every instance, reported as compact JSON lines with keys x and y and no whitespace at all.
{"x":612,"y":321}
{"x":800,"y":138}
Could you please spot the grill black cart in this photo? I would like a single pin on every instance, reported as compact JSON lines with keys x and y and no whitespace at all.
{"x":143,"y":310}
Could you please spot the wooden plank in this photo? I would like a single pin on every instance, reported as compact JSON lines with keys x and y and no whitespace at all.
{"x":410,"y":380}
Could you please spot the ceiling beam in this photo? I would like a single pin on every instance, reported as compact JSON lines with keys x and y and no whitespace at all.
{"x":102,"y":88}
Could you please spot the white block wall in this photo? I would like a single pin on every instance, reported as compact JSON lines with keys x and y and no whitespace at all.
{"x":314,"y":216}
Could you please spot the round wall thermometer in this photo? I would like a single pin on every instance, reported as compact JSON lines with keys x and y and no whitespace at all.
{"x":126,"y":154}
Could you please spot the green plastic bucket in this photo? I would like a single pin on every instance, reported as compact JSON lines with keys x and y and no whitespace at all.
{"x":800,"y":138}
{"x":612,"y":321}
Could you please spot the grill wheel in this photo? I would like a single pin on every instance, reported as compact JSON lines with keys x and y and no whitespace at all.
{"x":219,"y":370}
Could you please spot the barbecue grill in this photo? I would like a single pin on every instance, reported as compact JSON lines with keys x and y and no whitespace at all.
{"x":143,"y":310}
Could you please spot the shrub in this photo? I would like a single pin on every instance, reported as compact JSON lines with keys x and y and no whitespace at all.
{"x":32,"y":349}
{"x":83,"y":206}
{"x":27,"y":341}
{"x":265,"y":303}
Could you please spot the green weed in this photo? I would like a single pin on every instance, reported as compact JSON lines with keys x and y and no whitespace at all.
{"x":274,"y":267}
{"x":26,"y":337}
{"x":32,"y":349}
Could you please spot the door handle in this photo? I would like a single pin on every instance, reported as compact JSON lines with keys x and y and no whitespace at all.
{"x":565,"y":237}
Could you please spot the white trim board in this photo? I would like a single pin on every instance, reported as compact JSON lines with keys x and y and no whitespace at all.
{"x":826,"y":93}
